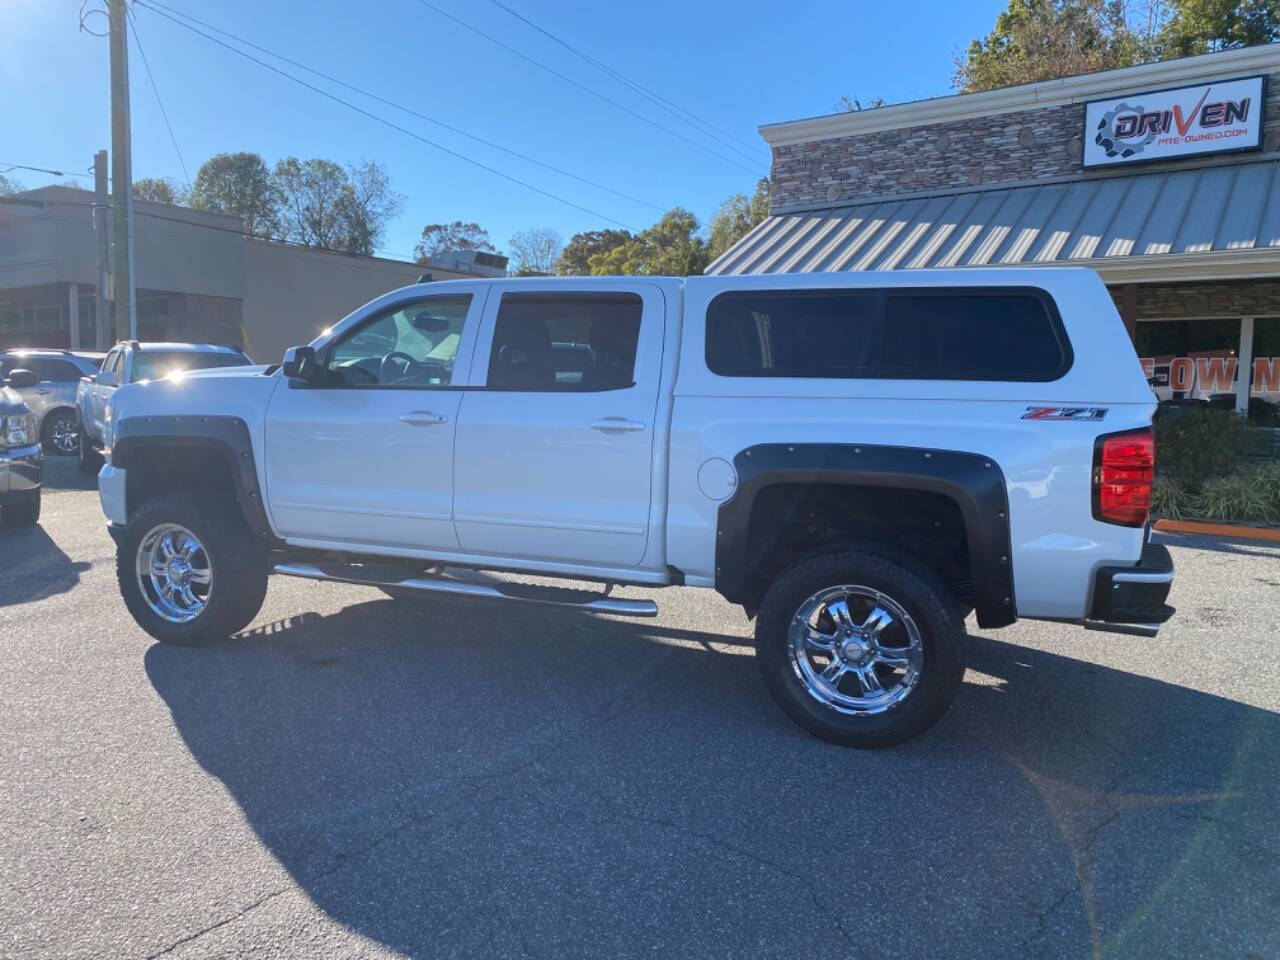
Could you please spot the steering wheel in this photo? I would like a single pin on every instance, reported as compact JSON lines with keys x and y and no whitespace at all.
{"x":387,"y":371}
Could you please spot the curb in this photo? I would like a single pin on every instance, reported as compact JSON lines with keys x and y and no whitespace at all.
{"x":1239,"y":531}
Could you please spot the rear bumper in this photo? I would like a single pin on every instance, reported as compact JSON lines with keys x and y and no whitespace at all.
{"x":21,"y":472}
{"x":1135,"y":595}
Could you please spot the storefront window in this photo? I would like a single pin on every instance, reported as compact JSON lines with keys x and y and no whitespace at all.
{"x":1188,"y":359}
{"x":1264,"y":395}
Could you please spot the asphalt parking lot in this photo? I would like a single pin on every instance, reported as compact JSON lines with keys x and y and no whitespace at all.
{"x":360,"y":776}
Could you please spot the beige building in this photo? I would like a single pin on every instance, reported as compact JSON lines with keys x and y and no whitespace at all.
{"x":1164,"y":178}
{"x":198,"y":278}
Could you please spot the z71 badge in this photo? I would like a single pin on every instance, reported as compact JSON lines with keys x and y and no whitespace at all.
{"x":1065,"y":413}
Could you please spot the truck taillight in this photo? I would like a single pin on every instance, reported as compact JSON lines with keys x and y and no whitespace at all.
{"x":1124,"y":466}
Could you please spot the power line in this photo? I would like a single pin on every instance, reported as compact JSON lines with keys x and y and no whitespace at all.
{"x":414,"y":113}
{"x":674,"y":109}
{"x":383,"y":120}
{"x":156,"y":90}
{"x":24,"y":166}
{"x":582,"y":86}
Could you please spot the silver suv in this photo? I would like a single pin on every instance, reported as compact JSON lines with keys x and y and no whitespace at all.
{"x":53,"y":398}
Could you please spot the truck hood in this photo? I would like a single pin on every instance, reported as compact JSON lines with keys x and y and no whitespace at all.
{"x":227,"y":391}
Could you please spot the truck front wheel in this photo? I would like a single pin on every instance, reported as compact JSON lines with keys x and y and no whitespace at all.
{"x":190,"y":572}
{"x":860,"y":649}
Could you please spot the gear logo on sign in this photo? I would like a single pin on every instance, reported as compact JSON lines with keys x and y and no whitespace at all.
{"x":1106,"y":136}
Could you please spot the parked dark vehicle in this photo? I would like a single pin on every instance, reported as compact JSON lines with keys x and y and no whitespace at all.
{"x":21,"y":456}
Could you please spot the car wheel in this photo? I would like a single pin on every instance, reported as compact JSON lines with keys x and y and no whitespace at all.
{"x":22,"y":513}
{"x":860,"y":649}
{"x":190,"y":572}
{"x":61,"y":433}
{"x":89,"y":458}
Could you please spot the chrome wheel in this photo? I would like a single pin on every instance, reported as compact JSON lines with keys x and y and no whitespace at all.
{"x":855,"y":649}
{"x":173,"y":573}
{"x":64,"y":435}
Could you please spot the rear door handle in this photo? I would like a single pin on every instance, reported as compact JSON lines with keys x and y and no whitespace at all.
{"x":617,"y":425}
{"x":422,"y":418}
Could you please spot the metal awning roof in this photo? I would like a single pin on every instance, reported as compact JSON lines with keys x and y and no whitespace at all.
{"x":1098,"y":222}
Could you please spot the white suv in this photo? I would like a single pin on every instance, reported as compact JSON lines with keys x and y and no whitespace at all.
{"x":858,"y":459}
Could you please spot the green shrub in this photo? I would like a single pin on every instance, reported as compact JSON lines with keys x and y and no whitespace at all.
{"x":1267,"y":479}
{"x":1241,"y":496}
{"x":1170,"y":500}
{"x":1196,"y":443}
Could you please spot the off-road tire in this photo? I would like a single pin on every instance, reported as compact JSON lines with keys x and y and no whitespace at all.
{"x":22,"y":513}
{"x":237,"y":562}
{"x":915,"y":588}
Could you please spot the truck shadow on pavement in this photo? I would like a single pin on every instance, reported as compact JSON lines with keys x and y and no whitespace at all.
{"x":33,"y":566}
{"x":449,"y":778}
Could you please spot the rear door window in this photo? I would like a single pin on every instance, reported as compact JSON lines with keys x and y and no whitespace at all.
{"x":56,"y":371}
{"x":548,"y":343}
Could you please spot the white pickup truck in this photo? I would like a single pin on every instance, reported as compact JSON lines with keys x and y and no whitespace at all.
{"x":859,"y":460}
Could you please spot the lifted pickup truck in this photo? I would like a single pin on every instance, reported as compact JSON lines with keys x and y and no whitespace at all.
{"x":859,"y":460}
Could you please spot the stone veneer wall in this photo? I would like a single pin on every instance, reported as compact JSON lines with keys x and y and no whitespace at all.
{"x":1031,"y":144}
{"x":1191,"y":301}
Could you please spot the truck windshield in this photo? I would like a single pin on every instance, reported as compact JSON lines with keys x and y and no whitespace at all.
{"x":155,"y":364}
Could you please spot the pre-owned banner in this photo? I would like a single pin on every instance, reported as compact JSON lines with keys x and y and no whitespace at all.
{"x":1217,"y":117}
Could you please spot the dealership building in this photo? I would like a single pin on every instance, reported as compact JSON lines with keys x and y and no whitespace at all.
{"x":1164,"y":178}
{"x":198,"y":277}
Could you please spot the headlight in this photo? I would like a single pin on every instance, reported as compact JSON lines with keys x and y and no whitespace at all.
{"x":19,"y":429}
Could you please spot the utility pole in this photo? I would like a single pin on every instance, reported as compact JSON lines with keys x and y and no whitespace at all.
{"x":121,"y":172}
{"x":101,"y":204}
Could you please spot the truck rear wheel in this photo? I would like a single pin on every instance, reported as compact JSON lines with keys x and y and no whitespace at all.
{"x":190,"y":573}
{"x":860,"y":649}
{"x":89,"y":459}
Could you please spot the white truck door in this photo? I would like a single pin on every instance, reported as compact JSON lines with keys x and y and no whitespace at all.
{"x":553,"y":455}
{"x":365,"y":455}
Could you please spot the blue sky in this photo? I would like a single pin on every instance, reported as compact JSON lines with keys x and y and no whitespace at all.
{"x":735,"y":64}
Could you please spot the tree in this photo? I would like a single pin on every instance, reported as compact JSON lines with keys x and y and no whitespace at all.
{"x":159,"y":190}
{"x":575,"y":259}
{"x":367,"y":206}
{"x":535,"y":251}
{"x":1203,"y":26}
{"x":9,"y":186}
{"x":238,"y":184}
{"x":1042,"y":39}
{"x":311,"y":198}
{"x":736,"y":216}
{"x":323,"y":205}
{"x":671,"y":247}
{"x":438,"y":238}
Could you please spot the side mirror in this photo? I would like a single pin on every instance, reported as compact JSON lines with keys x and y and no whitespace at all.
{"x":300,"y":364}
{"x":21,"y":378}
{"x":106,"y":378}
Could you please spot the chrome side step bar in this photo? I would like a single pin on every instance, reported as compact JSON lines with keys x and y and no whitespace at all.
{"x":521,"y":593}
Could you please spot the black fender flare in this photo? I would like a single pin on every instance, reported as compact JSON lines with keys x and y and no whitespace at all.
{"x":228,"y":437}
{"x":972,"y":481}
